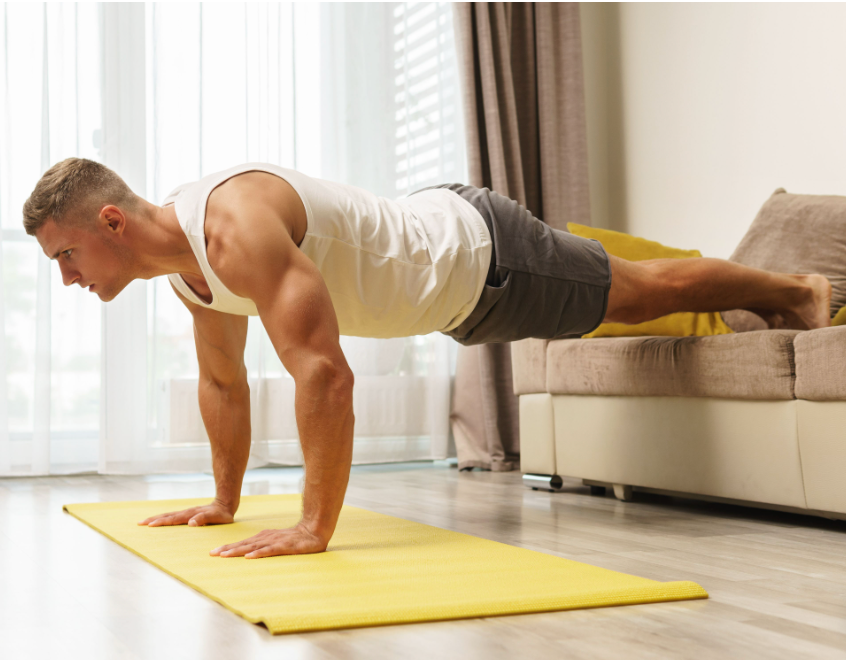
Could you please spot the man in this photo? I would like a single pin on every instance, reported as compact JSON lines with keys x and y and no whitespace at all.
{"x":314,"y":259}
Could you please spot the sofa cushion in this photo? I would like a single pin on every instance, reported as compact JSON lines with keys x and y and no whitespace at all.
{"x":799,"y":234}
{"x":821,"y":364}
{"x":751,"y":365}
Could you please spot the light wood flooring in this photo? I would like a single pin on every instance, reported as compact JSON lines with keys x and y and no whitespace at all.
{"x":777,"y":580}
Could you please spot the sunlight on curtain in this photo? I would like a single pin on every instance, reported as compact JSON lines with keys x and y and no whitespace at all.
{"x":360,"y":93}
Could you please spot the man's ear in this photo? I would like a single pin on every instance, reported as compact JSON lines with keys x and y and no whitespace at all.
{"x":114,"y":218}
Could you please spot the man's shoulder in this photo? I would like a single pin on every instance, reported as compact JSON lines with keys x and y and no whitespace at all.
{"x":246,"y":225}
{"x":236,"y":196}
{"x":249,"y":198}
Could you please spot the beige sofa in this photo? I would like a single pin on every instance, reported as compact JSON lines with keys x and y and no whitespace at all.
{"x":757,"y":417}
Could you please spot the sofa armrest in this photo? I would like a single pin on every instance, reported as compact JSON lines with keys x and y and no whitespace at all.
{"x":821,"y":364}
{"x":528,"y":365}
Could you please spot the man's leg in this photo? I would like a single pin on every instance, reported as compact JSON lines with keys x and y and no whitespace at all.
{"x":644,"y":290}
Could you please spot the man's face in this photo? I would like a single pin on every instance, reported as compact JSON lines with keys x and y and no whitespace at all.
{"x":89,"y":257}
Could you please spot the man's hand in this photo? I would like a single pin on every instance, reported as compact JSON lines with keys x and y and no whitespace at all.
{"x":271,"y":542}
{"x":209,"y":514}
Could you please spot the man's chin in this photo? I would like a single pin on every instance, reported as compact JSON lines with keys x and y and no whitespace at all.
{"x":107,"y":295}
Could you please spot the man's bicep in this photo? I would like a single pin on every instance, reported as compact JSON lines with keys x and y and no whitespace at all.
{"x":260,"y":261}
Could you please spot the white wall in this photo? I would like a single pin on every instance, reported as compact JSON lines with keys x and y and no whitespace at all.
{"x":697,"y":112}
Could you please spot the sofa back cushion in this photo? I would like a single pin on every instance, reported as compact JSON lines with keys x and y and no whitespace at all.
{"x":799,"y":234}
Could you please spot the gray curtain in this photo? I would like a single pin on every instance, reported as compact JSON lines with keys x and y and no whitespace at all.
{"x":523,"y":92}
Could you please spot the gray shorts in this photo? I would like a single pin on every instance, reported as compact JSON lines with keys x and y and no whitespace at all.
{"x":542,"y":282}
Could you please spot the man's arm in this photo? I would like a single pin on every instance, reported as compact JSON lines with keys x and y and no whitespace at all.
{"x":297,"y":312}
{"x":225,"y":407}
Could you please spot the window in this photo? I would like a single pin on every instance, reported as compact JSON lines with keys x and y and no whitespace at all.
{"x":429,"y":145}
{"x":166,"y":93}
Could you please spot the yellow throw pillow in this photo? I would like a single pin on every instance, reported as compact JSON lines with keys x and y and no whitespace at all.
{"x":682,"y":324}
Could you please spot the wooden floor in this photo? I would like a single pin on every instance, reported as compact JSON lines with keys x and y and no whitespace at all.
{"x":777,"y":581}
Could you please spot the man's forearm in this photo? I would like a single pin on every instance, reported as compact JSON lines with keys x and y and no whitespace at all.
{"x":226,"y":415}
{"x":325,"y":420}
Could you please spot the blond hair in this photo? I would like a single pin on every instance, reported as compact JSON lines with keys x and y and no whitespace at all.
{"x":72,"y":191}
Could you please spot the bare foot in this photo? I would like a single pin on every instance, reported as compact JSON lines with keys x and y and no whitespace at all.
{"x":814,"y":311}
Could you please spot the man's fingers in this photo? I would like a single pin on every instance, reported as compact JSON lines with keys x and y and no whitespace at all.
{"x":179,"y":518}
{"x":254,"y":540}
{"x":239,"y":551}
{"x":164,"y":520}
{"x":271,"y":543}
{"x":222,"y":548}
{"x":184,"y":515}
{"x":209,"y":518}
{"x":249,"y":544}
{"x":229,"y":546}
{"x":203,"y":519}
{"x":156,"y":517}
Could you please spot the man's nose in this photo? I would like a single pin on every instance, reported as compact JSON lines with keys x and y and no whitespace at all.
{"x":69,"y":277}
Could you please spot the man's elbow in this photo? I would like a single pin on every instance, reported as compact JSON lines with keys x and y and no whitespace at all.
{"x":336,"y":380}
{"x":343,"y":385}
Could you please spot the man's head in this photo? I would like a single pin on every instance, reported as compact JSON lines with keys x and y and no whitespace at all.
{"x":79,"y":211}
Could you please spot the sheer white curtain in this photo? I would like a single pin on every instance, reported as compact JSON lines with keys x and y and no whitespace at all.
{"x":50,"y":108}
{"x":166,"y":93}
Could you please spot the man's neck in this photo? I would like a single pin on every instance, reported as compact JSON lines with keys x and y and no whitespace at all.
{"x":162,"y":248}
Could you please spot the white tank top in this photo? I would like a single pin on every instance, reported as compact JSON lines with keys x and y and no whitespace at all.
{"x":394,"y":268}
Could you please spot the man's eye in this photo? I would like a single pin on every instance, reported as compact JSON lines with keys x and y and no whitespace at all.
{"x":67,"y":252}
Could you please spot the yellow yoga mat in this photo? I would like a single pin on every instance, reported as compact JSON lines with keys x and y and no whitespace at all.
{"x":378,"y":570}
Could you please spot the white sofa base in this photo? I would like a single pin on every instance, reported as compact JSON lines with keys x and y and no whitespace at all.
{"x":779,"y":454}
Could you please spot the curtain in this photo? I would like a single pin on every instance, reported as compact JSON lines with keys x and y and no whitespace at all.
{"x":523,"y":89}
{"x":50,"y":108}
{"x":165,"y":93}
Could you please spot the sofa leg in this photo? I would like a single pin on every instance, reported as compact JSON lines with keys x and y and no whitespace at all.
{"x":622,"y":492}
{"x":550,"y":482}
